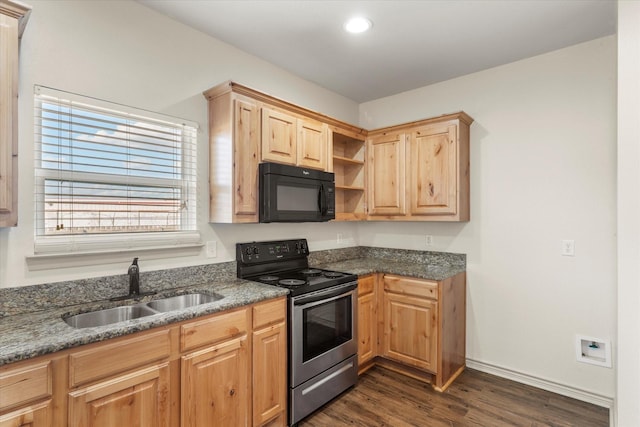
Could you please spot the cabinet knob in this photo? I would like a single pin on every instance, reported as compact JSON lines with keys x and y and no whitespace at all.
{"x":232,"y":392}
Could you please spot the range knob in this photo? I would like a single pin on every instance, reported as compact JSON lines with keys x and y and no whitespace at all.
{"x":248,"y":251}
{"x":256,"y":250}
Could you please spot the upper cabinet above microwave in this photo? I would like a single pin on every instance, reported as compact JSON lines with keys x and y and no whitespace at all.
{"x":247,"y":127}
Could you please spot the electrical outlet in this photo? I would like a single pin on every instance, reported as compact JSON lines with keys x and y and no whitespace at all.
{"x":212,"y":249}
{"x":339,"y":238}
{"x":428,"y":240}
{"x":568,"y":248}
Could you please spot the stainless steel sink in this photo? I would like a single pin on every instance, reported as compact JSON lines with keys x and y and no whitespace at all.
{"x":108,"y":316}
{"x":182,"y":301}
{"x":129,"y":312}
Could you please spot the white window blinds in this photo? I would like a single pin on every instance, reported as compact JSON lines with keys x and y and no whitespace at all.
{"x":103,"y":168}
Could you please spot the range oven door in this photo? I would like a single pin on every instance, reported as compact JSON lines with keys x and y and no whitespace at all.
{"x":323,"y":327}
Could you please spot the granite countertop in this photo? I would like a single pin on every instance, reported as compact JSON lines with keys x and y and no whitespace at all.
{"x":28,"y":335}
{"x":367,"y":260}
{"x":31,"y":317}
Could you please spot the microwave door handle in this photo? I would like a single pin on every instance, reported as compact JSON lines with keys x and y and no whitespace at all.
{"x":322,"y":198}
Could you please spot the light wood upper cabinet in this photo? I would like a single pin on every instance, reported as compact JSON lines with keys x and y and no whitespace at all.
{"x":234,"y":154}
{"x":386,"y":174}
{"x":293,"y":140}
{"x":312,"y":144}
{"x":435,"y":165}
{"x":279,"y":137}
{"x":416,"y":171}
{"x":13,"y":18}
{"x":246,"y":148}
{"x":433,"y":182}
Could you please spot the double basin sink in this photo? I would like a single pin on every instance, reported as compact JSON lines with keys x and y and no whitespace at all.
{"x":109,"y":316}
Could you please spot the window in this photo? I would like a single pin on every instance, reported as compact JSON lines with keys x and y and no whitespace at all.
{"x":109,"y":173}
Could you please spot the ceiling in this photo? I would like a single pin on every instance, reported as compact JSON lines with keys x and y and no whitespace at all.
{"x":412,"y":43}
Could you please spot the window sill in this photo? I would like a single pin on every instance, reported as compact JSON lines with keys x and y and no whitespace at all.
{"x":85,"y":251}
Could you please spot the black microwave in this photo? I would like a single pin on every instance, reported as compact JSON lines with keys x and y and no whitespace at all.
{"x":294,"y":194}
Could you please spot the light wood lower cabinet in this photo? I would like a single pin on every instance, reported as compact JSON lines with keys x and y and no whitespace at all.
{"x":367,"y":325}
{"x":225,"y":369}
{"x":26,"y":395}
{"x":215,"y":387}
{"x":269,"y":365}
{"x":410,"y":323}
{"x":419,"y":325}
{"x":36,"y":415}
{"x":139,"y":398}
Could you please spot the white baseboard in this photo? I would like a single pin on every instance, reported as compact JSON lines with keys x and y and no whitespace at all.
{"x":575,"y":393}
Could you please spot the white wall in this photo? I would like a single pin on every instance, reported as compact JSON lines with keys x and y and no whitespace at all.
{"x":628,"y":385}
{"x":126,"y":53}
{"x":543,"y":169}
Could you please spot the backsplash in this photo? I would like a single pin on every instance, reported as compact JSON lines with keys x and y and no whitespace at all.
{"x":390,"y":254}
{"x":28,"y":299}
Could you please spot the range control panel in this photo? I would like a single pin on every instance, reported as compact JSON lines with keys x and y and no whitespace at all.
{"x":280,"y":250}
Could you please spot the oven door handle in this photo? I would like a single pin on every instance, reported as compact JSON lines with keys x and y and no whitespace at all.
{"x":325,"y":295}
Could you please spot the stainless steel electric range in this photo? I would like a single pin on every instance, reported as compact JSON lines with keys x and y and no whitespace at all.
{"x":322,"y":320}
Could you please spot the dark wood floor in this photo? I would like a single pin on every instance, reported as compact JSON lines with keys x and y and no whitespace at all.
{"x":385,"y":398}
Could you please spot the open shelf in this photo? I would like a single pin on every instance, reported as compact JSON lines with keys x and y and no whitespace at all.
{"x":349,"y":170}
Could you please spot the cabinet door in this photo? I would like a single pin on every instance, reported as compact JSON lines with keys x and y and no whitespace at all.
{"x":140,"y":398}
{"x":10,"y":14}
{"x":367,"y":323}
{"x":410,"y":330}
{"x":270,"y":375}
{"x":386,"y":174}
{"x":215,"y":386}
{"x":433,"y":186}
{"x":35,"y":415}
{"x":246,"y":151}
{"x":278,"y":137}
{"x":312,"y":144}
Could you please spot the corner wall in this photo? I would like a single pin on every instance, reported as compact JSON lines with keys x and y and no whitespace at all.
{"x":543,"y":169}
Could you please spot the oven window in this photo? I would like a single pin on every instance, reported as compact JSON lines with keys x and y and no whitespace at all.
{"x":291,"y":198}
{"x":326,"y":326}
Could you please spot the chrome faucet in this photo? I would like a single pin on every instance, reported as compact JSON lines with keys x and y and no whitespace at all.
{"x":134,"y":278}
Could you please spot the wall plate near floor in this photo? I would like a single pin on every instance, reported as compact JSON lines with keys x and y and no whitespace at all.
{"x":595,"y":351}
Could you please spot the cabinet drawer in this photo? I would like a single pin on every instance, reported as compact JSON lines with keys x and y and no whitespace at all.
{"x":408,"y":286}
{"x":267,"y":313}
{"x":108,"y":359}
{"x":213,"y":329}
{"x":365,"y":285}
{"x":25,"y":384}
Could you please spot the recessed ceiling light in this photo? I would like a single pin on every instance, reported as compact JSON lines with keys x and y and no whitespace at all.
{"x":357,"y":25}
